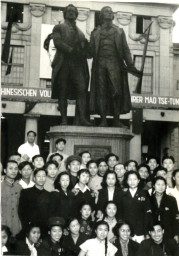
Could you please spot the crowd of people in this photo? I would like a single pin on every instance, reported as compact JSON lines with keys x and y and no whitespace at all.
{"x":77,"y":206}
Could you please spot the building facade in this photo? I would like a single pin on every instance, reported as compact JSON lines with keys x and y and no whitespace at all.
{"x":26,"y":103}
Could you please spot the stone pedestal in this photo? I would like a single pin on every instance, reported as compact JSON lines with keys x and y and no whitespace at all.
{"x":98,"y":140}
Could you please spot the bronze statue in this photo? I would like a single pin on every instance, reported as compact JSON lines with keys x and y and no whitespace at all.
{"x":70,"y":75}
{"x":109,"y":93}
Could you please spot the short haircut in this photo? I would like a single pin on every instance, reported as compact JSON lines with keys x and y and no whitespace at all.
{"x":155,"y":223}
{"x":100,"y":160}
{"x":69,"y":221}
{"x":153,"y":157}
{"x":66,"y":8}
{"x":145,"y":166}
{"x":36,"y":156}
{"x":159,"y":178}
{"x":11,"y":161}
{"x":101,"y":14}
{"x":51,"y":162}
{"x":30,"y":226}
{"x":55,"y":154}
{"x":38,"y":170}
{"x":60,"y":140}
{"x":107,"y":203}
{"x":57,"y":180}
{"x":119,"y":225}
{"x":159,"y":168}
{"x":91,"y":162}
{"x":118,"y":164}
{"x":168,"y":157}
{"x":110,"y":155}
{"x":126,"y":176}
{"x":131,"y":161}
{"x":14,"y":154}
{"x":83,"y":171}
{"x":85,"y":152}
{"x":35,"y":134}
{"x":103,"y":183}
{"x":23,"y":164}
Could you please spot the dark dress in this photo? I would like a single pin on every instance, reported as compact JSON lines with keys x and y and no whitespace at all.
{"x":86,"y":227}
{"x":166,"y":214}
{"x":136,"y":210}
{"x":61,"y":205}
{"x":48,"y":248}
{"x":132,"y":248}
{"x":72,"y":249}
{"x":34,"y":207}
{"x":149,"y":248}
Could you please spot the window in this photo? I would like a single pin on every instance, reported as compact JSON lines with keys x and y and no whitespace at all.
{"x":147,"y":80}
{"x":15,"y":12}
{"x":56,"y":13}
{"x":142,"y":22}
{"x":17,"y":67}
{"x":45,"y":83}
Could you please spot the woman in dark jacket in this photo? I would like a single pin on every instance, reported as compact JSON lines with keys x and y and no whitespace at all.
{"x":72,"y":242}
{"x":28,"y":246}
{"x":62,"y":200}
{"x":124,"y":244}
{"x":164,"y":208}
{"x":110,"y":192}
{"x":53,"y":245}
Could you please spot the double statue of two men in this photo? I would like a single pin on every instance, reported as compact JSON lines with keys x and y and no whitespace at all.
{"x":109,"y":90}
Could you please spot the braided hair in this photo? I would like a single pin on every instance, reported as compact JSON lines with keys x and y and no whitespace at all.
{"x":99,"y":223}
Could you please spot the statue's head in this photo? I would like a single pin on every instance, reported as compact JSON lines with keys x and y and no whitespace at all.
{"x":70,"y":12}
{"x":106,"y":13}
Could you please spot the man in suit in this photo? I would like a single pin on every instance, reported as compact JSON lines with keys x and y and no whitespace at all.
{"x":70,"y":74}
{"x":109,"y":92}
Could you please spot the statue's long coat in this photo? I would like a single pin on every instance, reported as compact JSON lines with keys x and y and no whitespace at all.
{"x":60,"y":38}
{"x":124,"y":57}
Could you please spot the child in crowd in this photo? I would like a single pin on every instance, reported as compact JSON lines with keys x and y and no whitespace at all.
{"x":7,"y":243}
{"x":38,"y":161}
{"x":73,"y":166}
{"x":144,"y":173}
{"x":110,"y":213}
{"x":62,"y":200}
{"x":169,"y":163}
{"x":82,"y":191}
{"x":58,"y":158}
{"x":34,"y":202}
{"x":152,"y":162}
{"x":111,"y":160}
{"x":110,"y":192}
{"x":26,"y":169}
{"x":53,"y":244}
{"x":85,"y":158}
{"x":120,"y":172}
{"x":52,"y":169}
{"x":28,"y":246}
{"x":72,"y":242}
{"x":95,"y":180}
{"x":10,"y":193}
{"x":85,"y":219}
{"x":102,"y":167}
{"x":131,"y":165}
{"x":134,"y":206}
{"x":98,"y":245}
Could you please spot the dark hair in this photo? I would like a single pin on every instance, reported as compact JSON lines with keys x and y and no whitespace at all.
{"x":30,"y":226}
{"x":106,"y":204}
{"x":118,"y":164}
{"x":69,"y":220}
{"x":14,"y":154}
{"x":57,"y":180}
{"x":47,"y":41}
{"x":145,"y":166}
{"x":131,"y":161}
{"x":81,"y":206}
{"x":102,"y":222}
{"x":23,"y":164}
{"x":38,"y":170}
{"x":66,"y":8}
{"x":153,"y":157}
{"x":59,"y":140}
{"x":51,"y":162}
{"x":104,"y":184}
{"x":100,"y":160}
{"x":110,"y":155}
{"x":83,"y":171}
{"x":155,"y":223}
{"x":159,"y":168}
{"x":159,"y":178}
{"x":91,"y":162}
{"x":10,"y":239}
{"x":33,"y":158}
{"x":126,"y":176}
{"x":84,"y":152}
{"x":35,"y":134}
{"x":11,"y":161}
{"x":101,"y":14}
{"x":119,"y":225}
{"x":168,"y":157}
{"x":55,"y":154}
{"x":173,"y":176}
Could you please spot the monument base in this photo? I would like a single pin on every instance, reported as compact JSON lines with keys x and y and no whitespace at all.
{"x":99,"y":141}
